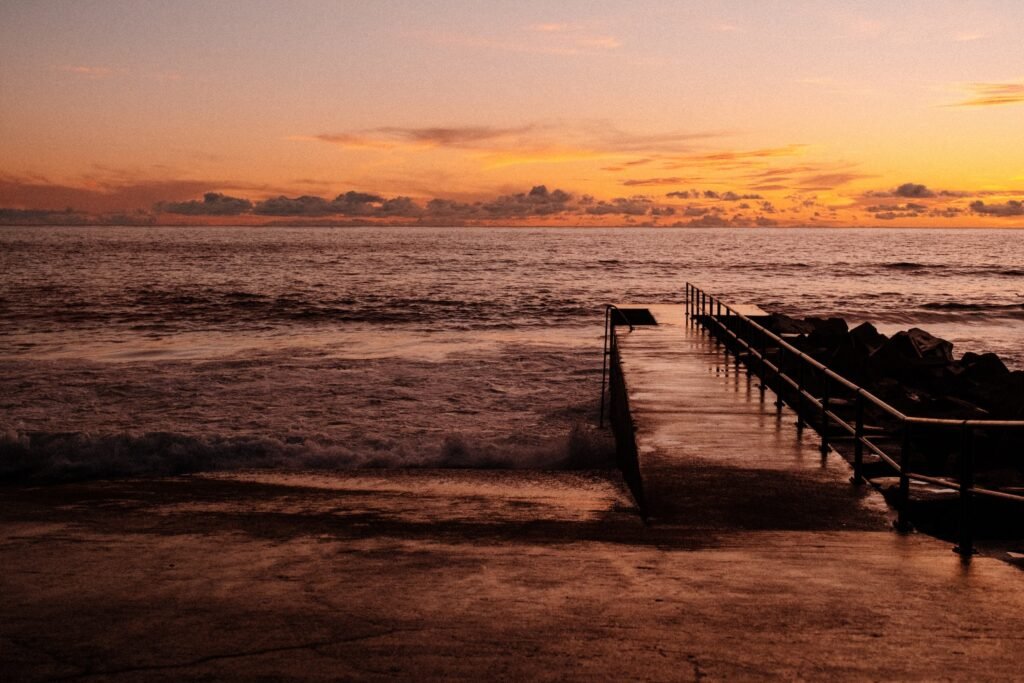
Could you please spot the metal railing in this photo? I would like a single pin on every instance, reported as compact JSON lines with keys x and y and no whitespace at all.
{"x":609,"y":348}
{"x":758,"y":345}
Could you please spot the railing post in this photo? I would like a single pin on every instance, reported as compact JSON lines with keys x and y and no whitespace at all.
{"x":764,"y":363}
{"x":781,"y":385}
{"x":965,"y":547}
{"x":604,"y":364}
{"x":824,"y":415}
{"x":903,"y":499}
{"x":799,"y":394}
{"x":738,"y":345}
{"x":858,"y":443}
{"x":716,"y":313}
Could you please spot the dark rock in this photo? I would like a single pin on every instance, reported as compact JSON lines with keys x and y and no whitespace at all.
{"x":906,"y":351}
{"x":930,"y":347}
{"x":827,"y":328}
{"x":978,"y":377}
{"x":984,"y":368}
{"x":866,"y":339}
{"x":783,"y":324}
{"x":1007,"y":397}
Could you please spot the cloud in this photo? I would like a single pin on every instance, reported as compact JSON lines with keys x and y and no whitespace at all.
{"x":681,"y":194}
{"x":1009,"y":208}
{"x":909,"y":206}
{"x":731,"y":196}
{"x":915,"y":191}
{"x":891,"y":215}
{"x":10,"y":216}
{"x":829,"y":181}
{"x":642,"y":182}
{"x":212,"y":204}
{"x":306,"y":205}
{"x":733,"y":158}
{"x":351,"y":203}
{"x":968,"y":36}
{"x":626,"y":164}
{"x":626,"y":206}
{"x":582,"y":139}
{"x":718,"y":220}
{"x":912,"y":190}
{"x":99,"y":194}
{"x":386,"y":137}
{"x":93,"y":73}
{"x":537,"y":202}
{"x":992,"y":94}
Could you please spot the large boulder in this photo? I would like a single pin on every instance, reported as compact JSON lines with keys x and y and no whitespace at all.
{"x":827,"y":328}
{"x":904,"y":352}
{"x":782,"y":324}
{"x":1007,"y":397}
{"x":867,"y":339}
{"x":978,"y":377}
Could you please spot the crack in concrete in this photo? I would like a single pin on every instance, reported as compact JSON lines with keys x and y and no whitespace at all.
{"x":228,"y":655}
{"x":698,"y":673}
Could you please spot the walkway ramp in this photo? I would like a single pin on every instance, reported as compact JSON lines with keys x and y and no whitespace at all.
{"x":714,"y":455}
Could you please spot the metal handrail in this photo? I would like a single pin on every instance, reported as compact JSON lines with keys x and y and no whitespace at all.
{"x":609,"y":345}
{"x":707,"y":309}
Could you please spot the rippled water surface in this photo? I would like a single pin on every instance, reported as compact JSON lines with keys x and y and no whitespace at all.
{"x":149,"y":349}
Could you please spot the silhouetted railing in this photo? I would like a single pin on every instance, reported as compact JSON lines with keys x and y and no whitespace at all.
{"x":811,"y":389}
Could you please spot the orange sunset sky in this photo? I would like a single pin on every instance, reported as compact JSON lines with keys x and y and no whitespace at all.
{"x":536,"y":113}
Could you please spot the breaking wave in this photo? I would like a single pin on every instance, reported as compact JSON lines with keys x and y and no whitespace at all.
{"x":55,"y":457}
{"x":976,"y":307}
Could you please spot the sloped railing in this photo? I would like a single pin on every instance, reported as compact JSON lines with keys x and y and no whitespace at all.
{"x":813,"y":390}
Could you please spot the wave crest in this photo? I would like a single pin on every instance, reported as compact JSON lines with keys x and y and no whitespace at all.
{"x":73,"y":456}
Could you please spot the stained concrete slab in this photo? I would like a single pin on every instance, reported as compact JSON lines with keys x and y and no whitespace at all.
{"x":434,"y":575}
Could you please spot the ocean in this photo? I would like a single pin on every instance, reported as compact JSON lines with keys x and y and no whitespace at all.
{"x":142,"y":351}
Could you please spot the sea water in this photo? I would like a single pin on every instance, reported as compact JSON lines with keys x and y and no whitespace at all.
{"x":163,"y":350}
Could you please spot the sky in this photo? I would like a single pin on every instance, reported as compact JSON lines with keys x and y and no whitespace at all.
{"x":745,"y":114}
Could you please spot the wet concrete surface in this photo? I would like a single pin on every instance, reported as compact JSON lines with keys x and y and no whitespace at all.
{"x":760,"y":561}
{"x":434,"y":575}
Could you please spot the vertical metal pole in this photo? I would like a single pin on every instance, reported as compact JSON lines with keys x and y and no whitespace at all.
{"x":858,"y":442}
{"x":799,"y":406}
{"x":716,"y":309}
{"x":604,"y":364}
{"x":824,"y":415}
{"x":738,"y":346}
{"x":720,"y":326}
{"x":965,"y":547}
{"x":764,"y":362}
{"x":781,"y":384}
{"x":903,"y":500}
